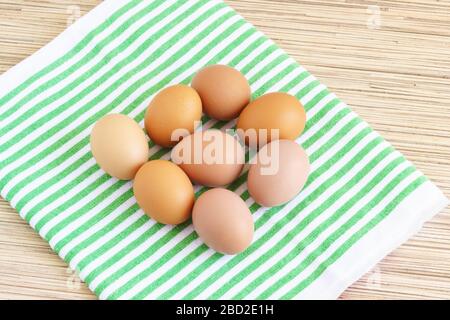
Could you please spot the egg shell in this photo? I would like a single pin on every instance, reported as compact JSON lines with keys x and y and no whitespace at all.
{"x":175,"y":107}
{"x":211,"y":158}
{"x":279,"y":174}
{"x":224,"y":91}
{"x":164,"y":192}
{"x":223,"y":221}
{"x":274,"y":111}
{"x":119,"y":146}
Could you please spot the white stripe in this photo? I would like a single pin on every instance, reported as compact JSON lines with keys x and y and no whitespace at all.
{"x":58,"y":46}
{"x":108,"y":254}
{"x":103,"y":224}
{"x":250,"y":57}
{"x":311,"y":94}
{"x":52,"y":174}
{"x":137,"y":253}
{"x":268,"y":76}
{"x":82,"y":219}
{"x":70,"y":63}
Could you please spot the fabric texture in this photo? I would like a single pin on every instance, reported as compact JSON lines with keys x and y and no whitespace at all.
{"x":362,"y":198}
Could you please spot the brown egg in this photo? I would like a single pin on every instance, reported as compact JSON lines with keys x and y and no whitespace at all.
{"x":176,"y":107}
{"x":274,"y":111}
{"x":224,"y":91}
{"x":223,"y":221}
{"x":164,"y":192}
{"x":119,"y":146}
{"x":279,"y":174}
{"x":210,"y":158}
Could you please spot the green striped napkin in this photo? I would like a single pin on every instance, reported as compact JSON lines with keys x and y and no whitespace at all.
{"x":361,"y":201}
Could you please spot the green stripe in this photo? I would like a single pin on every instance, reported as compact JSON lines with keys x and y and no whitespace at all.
{"x":327,"y":127}
{"x":215,"y":257}
{"x":79,"y":196}
{"x":82,"y":78}
{"x":66,"y":57}
{"x":322,"y":112}
{"x":100,"y":215}
{"x":356,"y":236}
{"x":125,"y":94}
{"x":52,"y":181}
{"x":278,"y":77}
{"x":260,"y":57}
{"x":315,"y":233}
{"x":263,"y":71}
{"x":120,"y":254}
{"x":109,"y":228}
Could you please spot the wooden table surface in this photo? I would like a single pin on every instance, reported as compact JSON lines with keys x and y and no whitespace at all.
{"x":389,"y":60}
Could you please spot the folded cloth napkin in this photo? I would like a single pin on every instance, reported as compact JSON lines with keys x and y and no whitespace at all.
{"x":361,"y":201}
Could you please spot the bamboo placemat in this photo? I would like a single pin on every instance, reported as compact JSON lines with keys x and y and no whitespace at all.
{"x":391,"y":63}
